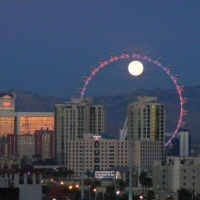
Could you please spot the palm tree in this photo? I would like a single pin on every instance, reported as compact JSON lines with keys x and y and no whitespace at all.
{"x":148,"y":183}
{"x":145,"y":181}
{"x":142,"y":179}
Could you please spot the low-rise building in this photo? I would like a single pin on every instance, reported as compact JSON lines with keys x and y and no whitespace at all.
{"x":25,"y":183}
{"x":179,"y":172}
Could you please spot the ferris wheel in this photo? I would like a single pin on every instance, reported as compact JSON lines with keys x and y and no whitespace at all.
{"x":158,"y":63}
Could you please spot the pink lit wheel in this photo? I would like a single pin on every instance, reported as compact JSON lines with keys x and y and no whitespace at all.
{"x":157,"y":62}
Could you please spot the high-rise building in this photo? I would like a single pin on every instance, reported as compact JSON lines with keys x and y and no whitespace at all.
{"x":44,"y":143}
{"x":28,"y":145}
{"x":20,"y":145}
{"x":28,"y":122}
{"x":21,"y":123}
{"x":181,"y":144}
{"x":7,"y":118}
{"x":12,"y":145}
{"x":74,"y":119}
{"x":7,"y":102}
{"x":146,"y":128}
{"x":185,"y":142}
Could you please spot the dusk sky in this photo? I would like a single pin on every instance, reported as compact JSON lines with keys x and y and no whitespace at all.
{"x":46,"y":47}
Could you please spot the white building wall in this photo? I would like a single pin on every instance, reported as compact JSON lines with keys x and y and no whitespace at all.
{"x":176,"y":176}
{"x":30,"y":193}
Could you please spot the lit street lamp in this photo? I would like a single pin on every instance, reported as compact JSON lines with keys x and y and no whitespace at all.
{"x":117,"y":193}
{"x":89,"y":191}
{"x":95,"y":190}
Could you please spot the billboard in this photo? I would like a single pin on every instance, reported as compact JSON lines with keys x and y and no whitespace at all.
{"x":107,"y":175}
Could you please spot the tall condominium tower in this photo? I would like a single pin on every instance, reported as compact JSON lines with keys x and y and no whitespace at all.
{"x":146,"y":119}
{"x":72,"y":120}
{"x":146,"y":129}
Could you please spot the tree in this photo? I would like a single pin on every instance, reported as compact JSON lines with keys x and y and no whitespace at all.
{"x":145,"y":181}
{"x":142,"y":178}
{"x":87,"y":172}
{"x":148,"y":183}
{"x":184,"y":194}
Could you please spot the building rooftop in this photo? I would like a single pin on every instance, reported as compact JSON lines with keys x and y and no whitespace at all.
{"x":107,"y":136}
{"x":2,"y":94}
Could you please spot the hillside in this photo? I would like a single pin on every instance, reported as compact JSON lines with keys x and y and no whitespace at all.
{"x":116,"y":107}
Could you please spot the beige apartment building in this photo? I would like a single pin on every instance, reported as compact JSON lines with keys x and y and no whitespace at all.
{"x":146,"y":152}
{"x":101,"y":152}
{"x":73,"y":120}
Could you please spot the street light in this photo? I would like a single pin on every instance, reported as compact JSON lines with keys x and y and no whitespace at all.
{"x":95,"y":191}
{"x":89,"y":191}
{"x":117,"y":193}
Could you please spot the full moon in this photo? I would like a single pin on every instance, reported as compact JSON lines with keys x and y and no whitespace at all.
{"x":135,"y":68}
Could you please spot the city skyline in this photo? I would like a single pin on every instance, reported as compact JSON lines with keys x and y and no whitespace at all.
{"x":47,"y":47}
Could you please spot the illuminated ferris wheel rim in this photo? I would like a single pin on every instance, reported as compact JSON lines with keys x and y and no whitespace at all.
{"x":157,"y":62}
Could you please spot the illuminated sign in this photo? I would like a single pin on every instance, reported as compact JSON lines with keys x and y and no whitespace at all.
{"x":6,"y":103}
{"x":96,"y":138}
{"x":104,"y":174}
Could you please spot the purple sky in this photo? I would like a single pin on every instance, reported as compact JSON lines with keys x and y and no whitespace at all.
{"x":46,"y":47}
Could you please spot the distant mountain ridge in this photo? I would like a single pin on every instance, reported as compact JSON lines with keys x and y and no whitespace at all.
{"x":116,"y":107}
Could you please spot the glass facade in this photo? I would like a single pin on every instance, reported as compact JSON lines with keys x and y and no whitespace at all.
{"x":7,"y":126}
{"x":30,"y":124}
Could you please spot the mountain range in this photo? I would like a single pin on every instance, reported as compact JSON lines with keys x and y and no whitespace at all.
{"x":116,"y":107}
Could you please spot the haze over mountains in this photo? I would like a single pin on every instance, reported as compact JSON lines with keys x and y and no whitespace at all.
{"x":116,"y":107}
